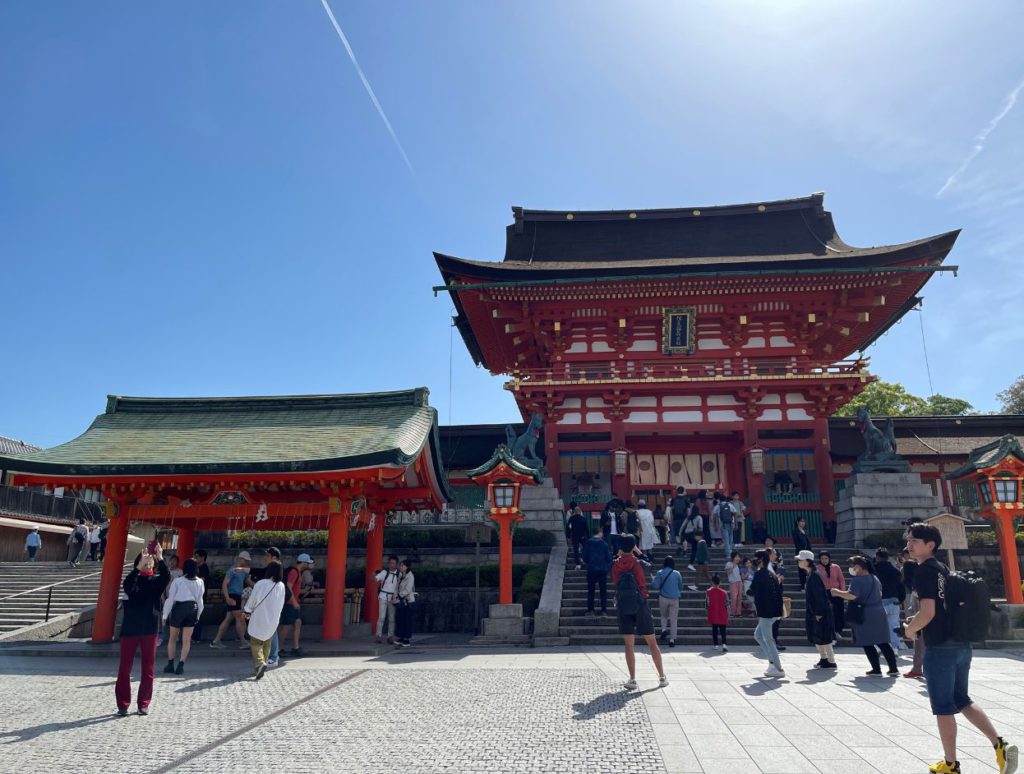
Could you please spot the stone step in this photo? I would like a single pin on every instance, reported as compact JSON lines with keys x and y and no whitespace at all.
{"x":684,"y":638}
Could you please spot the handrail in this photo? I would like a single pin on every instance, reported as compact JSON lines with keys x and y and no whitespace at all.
{"x":58,"y":583}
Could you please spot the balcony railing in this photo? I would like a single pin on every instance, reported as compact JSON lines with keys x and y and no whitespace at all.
{"x":738,"y":369}
{"x":30,"y":503}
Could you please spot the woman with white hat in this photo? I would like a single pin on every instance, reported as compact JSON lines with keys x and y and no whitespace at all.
{"x":818,"y":619}
{"x":236,"y":580}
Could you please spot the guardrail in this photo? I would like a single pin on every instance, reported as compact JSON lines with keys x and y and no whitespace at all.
{"x":32,"y":503}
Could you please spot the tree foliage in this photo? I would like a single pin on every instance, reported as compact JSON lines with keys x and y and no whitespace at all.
{"x":1012,"y":398}
{"x":885,"y":399}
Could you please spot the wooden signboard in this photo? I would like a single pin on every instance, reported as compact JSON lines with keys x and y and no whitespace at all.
{"x":678,"y":330}
{"x":954,"y":534}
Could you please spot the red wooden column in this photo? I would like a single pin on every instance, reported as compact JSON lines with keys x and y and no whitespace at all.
{"x":374,"y":561}
{"x":823,"y":467}
{"x":505,"y":556}
{"x":110,"y":580}
{"x":337,"y":556}
{"x":186,"y":543}
{"x":755,"y":484}
{"x":1008,"y":555}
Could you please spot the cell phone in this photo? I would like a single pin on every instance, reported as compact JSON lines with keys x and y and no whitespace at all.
{"x":151,"y":547}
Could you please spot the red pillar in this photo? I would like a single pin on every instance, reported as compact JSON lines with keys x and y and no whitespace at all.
{"x":334,"y":591}
{"x":110,"y":580}
{"x":823,"y":467}
{"x":504,"y":559}
{"x":374,"y":562}
{"x":186,"y":543}
{"x":1008,"y":557}
{"x":755,"y":484}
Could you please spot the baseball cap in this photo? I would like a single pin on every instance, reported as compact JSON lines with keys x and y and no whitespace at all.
{"x":305,"y":558}
{"x":912,"y":521}
{"x":245,"y":555}
{"x":805,"y":556}
{"x":274,"y":552}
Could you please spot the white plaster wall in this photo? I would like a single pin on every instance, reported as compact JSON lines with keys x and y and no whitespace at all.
{"x":681,"y":400}
{"x":722,"y":400}
{"x":642,"y":416}
{"x":798,"y":413}
{"x":723,"y":416}
{"x":644,"y":345}
{"x":647,"y":400}
{"x":772,"y":399}
{"x":771,"y":415}
{"x":572,"y":418}
{"x":682,"y":416}
{"x":596,"y":418}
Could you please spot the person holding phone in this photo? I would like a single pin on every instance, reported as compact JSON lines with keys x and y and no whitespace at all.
{"x":141,"y":602}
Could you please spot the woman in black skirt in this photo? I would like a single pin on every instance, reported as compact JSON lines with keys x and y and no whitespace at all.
{"x":181,"y":613}
{"x":404,"y":601}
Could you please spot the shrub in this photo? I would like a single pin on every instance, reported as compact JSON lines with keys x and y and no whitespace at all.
{"x":395,"y":538}
{"x":531,"y":587}
{"x":890,"y":538}
{"x":986,"y":538}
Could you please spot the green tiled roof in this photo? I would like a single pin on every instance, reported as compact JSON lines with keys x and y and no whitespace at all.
{"x":502,"y":454}
{"x":306,"y":433}
{"x":988,"y":455}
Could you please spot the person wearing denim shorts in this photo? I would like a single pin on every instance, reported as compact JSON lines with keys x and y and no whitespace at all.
{"x":947,"y":662}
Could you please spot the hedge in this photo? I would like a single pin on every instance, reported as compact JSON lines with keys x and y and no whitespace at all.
{"x":976,"y":538}
{"x":395,"y":538}
{"x":530,"y":588}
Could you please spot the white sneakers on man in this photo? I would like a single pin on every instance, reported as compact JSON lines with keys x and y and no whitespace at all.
{"x":773,"y":672}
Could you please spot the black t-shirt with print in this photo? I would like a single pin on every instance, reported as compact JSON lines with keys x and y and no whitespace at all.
{"x":930,"y":583}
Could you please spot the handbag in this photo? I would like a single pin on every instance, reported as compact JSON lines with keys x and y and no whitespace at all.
{"x":787,"y":607}
{"x":855,"y":612}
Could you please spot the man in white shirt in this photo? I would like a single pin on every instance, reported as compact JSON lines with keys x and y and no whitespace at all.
{"x":388,"y":580}
{"x":94,"y":542}
{"x":33,"y":543}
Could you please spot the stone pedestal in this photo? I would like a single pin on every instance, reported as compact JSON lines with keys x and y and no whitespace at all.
{"x":874,"y":502}
{"x":503,"y":626}
{"x":542,"y":507}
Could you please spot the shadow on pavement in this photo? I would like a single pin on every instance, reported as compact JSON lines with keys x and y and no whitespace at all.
{"x":605,"y":703}
{"x":33,"y":732}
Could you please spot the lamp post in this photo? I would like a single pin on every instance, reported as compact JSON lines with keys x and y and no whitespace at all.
{"x":504,"y":476}
{"x":997,"y":471}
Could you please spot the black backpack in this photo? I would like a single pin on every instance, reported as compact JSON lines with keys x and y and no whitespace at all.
{"x":967,"y":602}
{"x":632,"y":522}
{"x":627,"y":594}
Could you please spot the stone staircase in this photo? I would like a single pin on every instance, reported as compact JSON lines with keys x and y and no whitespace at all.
{"x":693,"y":628}
{"x":19,"y":609}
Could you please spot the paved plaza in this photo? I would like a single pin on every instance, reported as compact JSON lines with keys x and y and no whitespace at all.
{"x":463,"y":710}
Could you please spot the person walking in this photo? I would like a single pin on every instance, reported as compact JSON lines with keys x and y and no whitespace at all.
{"x":648,"y":538}
{"x":669,"y":585}
{"x":103,"y":540}
{"x":576,"y":534}
{"x":727,"y":518}
{"x":718,"y":613}
{"x":76,"y":543}
{"x":702,"y":576}
{"x":692,"y":524}
{"x":818,"y":616}
{"x":947,"y":662}
{"x":235,"y":582}
{"x":611,"y":527}
{"x":33,"y":542}
{"x":203,"y":573}
{"x":660,"y":524}
{"x":867,"y":616}
{"x":832,"y":575}
{"x":680,"y":507}
{"x":141,"y":603}
{"x":182,"y":608}
{"x":801,"y":542}
{"x":291,"y":613}
{"x":893,"y":594}
{"x":388,"y":584}
{"x":597,"y":557}
{"x":734,"y":577}
{"x":739,"y":509}
{"x":714,"y":523}
{"x":767,"y":593}
{"x":263,"y":610}
{"x":634,"y":614}
{"x":94,"y":542}
{"x":405,"y":602}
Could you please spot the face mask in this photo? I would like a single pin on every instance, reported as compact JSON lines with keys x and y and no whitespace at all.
{"x":853,"y":573}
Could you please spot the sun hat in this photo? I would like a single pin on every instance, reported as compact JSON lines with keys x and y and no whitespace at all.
{"x":245,"y":555}
{"x":305,"y":559}
{"x":805,"y":556}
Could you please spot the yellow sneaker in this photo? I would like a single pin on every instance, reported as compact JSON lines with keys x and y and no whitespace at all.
{"x":945,"y":767}
{"x":1006,"y":756}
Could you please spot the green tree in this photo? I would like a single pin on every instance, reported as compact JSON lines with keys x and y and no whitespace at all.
{"x":941,"y":405}
{"x":885,"y":399}
{"x":1012,"y":397}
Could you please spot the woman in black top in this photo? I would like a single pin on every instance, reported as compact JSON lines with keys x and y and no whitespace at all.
{"x":141,"y":603}
{"x":818,"y":619}
{"x":801,"y":542}
{"x":767,"y":593}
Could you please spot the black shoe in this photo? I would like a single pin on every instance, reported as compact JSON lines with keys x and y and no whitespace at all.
{"x":873,"y":672}
{"x":671,"y":643}
{"x":261,"y":671}
{"x":295,"y":653}
{"x":143,"y":711}
{"x":893,"y":673}
{"x":780,"y":648}
{"x":181,"y":668}
{"x":829,"y":665}
{"x":123,"y":712}
{"x":169,"y":669}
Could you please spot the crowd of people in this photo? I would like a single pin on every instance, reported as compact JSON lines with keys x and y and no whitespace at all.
{"x":85,"y":542}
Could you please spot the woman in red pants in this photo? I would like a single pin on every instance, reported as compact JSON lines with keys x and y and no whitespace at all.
{"x":141,"y":603}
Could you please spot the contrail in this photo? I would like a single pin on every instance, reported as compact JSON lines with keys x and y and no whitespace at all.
{"x":979,"y":139}
{"x":366,"y":85}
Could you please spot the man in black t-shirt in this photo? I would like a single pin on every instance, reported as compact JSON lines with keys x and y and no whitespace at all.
{"x":947,"y":662}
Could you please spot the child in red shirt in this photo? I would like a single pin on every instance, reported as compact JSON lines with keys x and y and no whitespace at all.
{"x":718,"y":612}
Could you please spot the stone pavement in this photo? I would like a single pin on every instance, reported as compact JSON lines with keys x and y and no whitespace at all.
{"x":467,"y":710}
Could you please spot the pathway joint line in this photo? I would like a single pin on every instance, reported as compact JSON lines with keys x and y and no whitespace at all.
{"x":188,"y":757}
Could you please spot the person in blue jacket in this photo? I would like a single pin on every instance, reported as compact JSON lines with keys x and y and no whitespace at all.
{"x":669,"y":585}
{"x":597,"y":557}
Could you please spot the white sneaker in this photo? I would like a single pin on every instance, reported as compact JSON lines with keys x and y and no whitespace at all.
{"x":663,"y":682}
{"x":773,"y":672}
{"x":271,"y":663}
{"x":692,"y":587}
{"x":725,"y":648}
{"x":691,"y":567}
{"x":716,"y":647}
{"x":630,"y":685}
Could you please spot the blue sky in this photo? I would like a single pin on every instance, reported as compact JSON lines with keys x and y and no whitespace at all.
{"x":201,"y":199}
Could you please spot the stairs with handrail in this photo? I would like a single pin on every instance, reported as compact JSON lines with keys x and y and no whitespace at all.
{"x":33,"y":592}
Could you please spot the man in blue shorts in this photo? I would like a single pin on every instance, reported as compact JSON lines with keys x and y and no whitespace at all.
{"x":947,"y":662}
